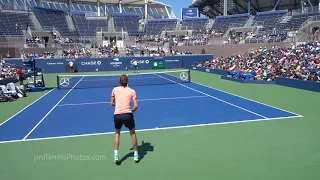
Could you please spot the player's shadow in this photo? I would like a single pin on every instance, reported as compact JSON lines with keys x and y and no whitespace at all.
{"x":143,"y":149}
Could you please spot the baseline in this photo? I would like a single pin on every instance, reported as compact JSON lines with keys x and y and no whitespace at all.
{"x":153,"y":129}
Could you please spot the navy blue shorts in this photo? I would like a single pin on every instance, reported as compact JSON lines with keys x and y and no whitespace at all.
{"x":124,"y":119}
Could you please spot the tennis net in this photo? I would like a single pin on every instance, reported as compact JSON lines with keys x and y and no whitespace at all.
{"x":112,"y":80}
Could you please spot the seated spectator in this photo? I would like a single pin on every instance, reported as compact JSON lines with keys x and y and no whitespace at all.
{"x":297,"y":62}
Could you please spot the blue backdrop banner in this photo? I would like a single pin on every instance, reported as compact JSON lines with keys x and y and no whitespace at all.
{"x":112,"y":64}
{"x":189,"y":13}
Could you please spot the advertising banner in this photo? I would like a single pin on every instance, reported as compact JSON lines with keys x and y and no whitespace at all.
{"x":189,"y":13}
{"x":158,"y":64}
{"x":113,"y":63}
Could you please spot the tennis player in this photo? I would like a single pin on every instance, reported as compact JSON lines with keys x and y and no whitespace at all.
{"x":123,"y":115}
{"x":135,"y":66}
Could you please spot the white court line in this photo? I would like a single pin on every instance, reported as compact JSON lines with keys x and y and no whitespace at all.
{"x":119,"y":74}
{"x":139,"y":100}
{"x":151,"y":129}
{"x":213,"y":97}
{"x":246,"y":98}
{"x":27,"y":107}
{"x":44,"y":117}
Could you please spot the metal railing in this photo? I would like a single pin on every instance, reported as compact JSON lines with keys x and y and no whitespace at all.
{"x":12,"y":44}
{"x":310,"y":19}
{"x":9,"y":7}
{"x":306,"y":10}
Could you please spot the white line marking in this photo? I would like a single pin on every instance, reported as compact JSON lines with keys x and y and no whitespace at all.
{"x":214,"y":97}
{"x":130,"y":74}
{"x":27,"y":107}
{"x":151,"y":129}
{"x":139,"y":100}
{"x":246,"y":98}
{"x":44,"y":117}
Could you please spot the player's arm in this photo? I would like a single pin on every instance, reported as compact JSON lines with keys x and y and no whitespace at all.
{"x":135,"y":102}
{"x":113,"y":100}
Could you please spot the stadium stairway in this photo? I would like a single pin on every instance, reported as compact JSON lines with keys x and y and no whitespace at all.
{"x":309,"y":22}
{"x":111,"y":24}
{"x":36,"y":23}
{"x":285,"y":19}
{"x":303,"y":34}
{"x":27,"y":33}
{"x":70,"y":23}
{"x":209,"y":24}
{"x":249,"y":22}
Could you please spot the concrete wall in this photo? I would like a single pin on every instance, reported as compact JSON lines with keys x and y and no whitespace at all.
{"x":219,"y":50}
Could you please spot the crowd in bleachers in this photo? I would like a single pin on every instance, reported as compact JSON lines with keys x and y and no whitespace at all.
{"x":6,"y":72}
{"x":176,"y":52}
{"x":42,"y":55}
{"x":76,"y":53}
{"x":9,"y":71}
{"x":199,"y":37}
{"x":297,"y":62}
{"x":108,"y":51}
{"x":8,"y":90}
{"x":144,"y":50}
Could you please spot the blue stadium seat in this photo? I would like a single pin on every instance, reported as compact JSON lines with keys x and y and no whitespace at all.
{"x":88,"y":27}
{"x":155,"y":27}
{"x":127,"y":22}
{"x":271,"y":19}
{"x":193,"y":23}
{"x":222,"y":23}
{"x":50,"y":18}
{"x":8,"y":21}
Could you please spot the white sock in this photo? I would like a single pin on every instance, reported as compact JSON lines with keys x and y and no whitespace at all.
{"x":115,"y":152}
{"x":135,"y":152}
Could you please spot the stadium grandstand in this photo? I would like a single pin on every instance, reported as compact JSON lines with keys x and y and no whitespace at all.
{"x":227,"y":90}
{"x":261,"y":21}
{"x":84,"y":27}
{"x":53,"y":25}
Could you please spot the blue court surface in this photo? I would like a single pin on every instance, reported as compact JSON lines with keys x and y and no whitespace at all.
{"x":173,"y":104}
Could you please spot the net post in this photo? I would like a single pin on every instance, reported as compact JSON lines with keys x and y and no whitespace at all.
{"x":189,"y":77}
{"x":58,"y":83}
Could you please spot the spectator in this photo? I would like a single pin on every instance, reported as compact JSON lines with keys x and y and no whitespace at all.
{"x":297,"y":62}
{"x":20,"y":75}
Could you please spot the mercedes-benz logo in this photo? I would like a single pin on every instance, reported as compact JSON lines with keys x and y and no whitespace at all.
{"x":184,"y":76}
{"x":64,"y":82}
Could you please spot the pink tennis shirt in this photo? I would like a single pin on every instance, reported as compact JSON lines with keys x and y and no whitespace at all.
{"x":123,"y":97}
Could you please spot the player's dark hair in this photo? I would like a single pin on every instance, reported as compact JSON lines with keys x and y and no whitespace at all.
{"x":124,"y":80}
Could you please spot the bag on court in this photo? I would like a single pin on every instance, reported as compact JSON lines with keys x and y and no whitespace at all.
{"x":4,"y":98}
{"x":21,"y":92}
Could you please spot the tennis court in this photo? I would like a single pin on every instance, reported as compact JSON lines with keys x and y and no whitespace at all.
{"x":174,"y":113}
{"x":167,"y":101}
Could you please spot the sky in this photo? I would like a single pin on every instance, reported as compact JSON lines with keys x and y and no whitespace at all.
{"x":177,"y":5}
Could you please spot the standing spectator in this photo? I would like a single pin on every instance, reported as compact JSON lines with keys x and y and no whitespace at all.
{"x":8,"y":54}
{"x":20,"y":75}
{"x":71,"y":66}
